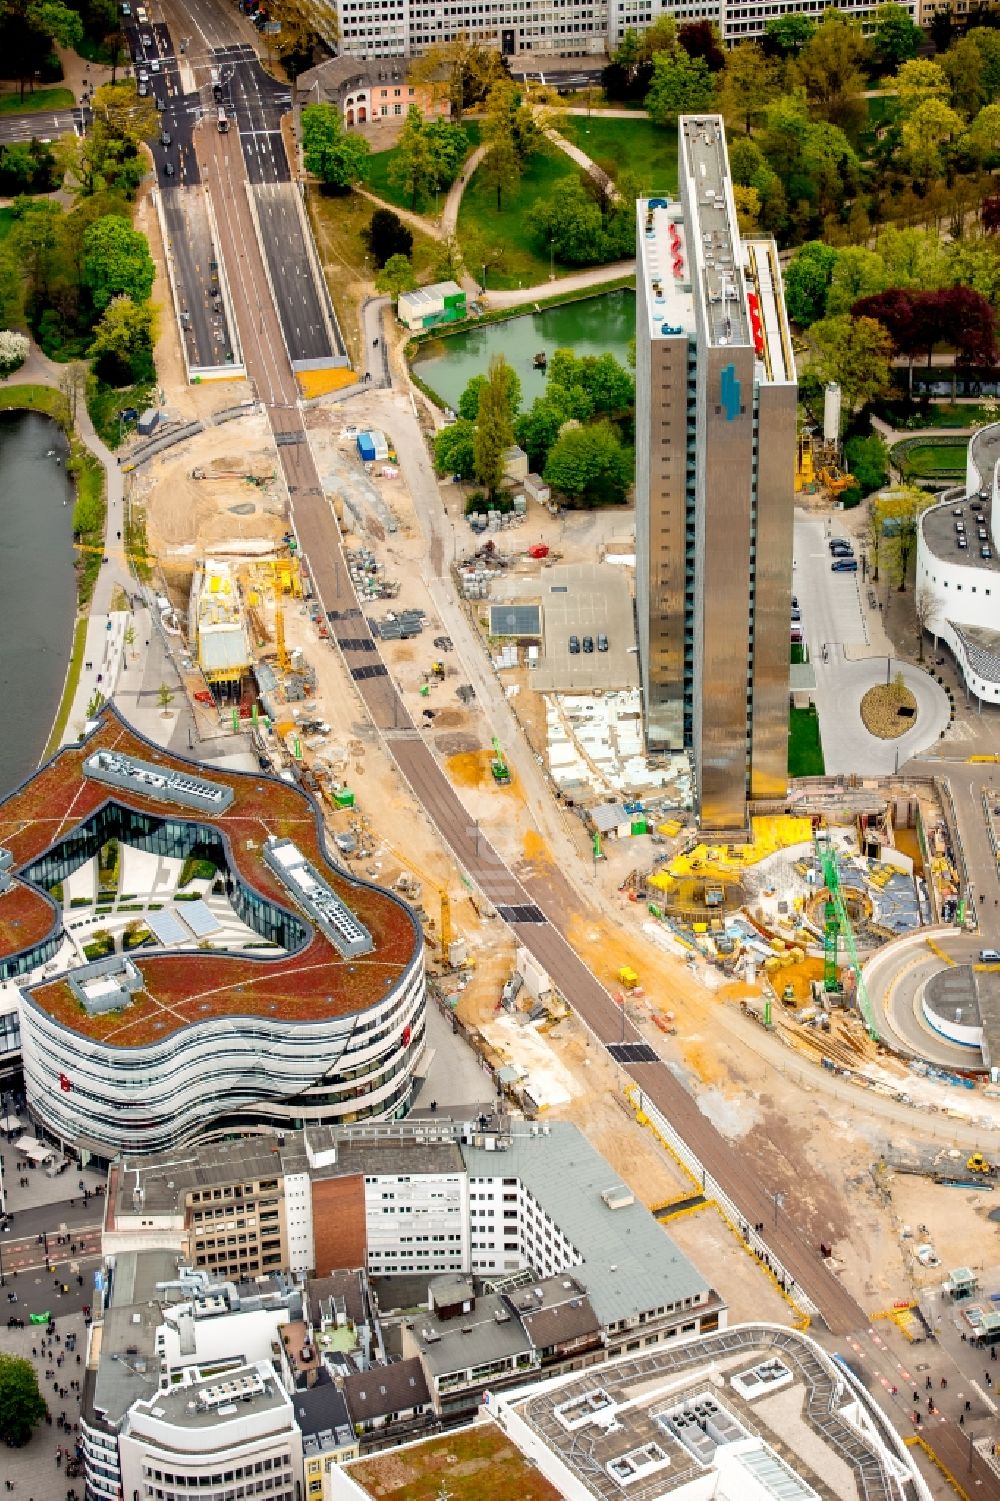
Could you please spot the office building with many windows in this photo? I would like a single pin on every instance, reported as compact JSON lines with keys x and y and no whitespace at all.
{"x":585,"y":29}
{"x":715,"y":462}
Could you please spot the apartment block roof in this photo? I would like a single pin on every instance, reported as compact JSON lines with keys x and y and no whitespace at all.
{"x":628,"y":1264}
{"x":489,"y":1332}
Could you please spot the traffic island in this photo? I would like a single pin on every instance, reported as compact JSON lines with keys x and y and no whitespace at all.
{"x":889,"y":709}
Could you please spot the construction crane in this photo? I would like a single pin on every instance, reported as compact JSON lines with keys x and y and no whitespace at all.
{"x":836,"y":926}
{"x":498,"y":766}
{"x":279,"y":635}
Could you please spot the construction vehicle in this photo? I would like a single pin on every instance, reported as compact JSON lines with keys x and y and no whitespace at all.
{"x":835,"y":480}
{"x":498,"y":765}
{"x":977,"y":1163}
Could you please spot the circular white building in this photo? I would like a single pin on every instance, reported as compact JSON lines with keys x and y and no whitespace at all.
{"x":958,"y":569}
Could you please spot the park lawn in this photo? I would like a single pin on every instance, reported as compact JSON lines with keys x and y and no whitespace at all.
{"x":525,"y":260}
{"x":943,"y":414}
{"x":638,"y":146}
{"x":931,"y":460}
{"x":377,"y":176}
{"x":39,"y":101}
{"x":805,"y":750}
{"x":337,"y":221}
{"x":6,"y":220}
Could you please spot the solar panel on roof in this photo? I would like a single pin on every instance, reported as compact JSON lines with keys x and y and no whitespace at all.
{"x":165,"y":926}
{"x":199,"y":917}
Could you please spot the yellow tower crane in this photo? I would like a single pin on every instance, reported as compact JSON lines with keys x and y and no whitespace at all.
{"x":445,"y":932}
{"x":279,"y":635}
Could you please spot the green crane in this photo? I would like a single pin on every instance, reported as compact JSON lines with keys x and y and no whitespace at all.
{"x":837,"y":925}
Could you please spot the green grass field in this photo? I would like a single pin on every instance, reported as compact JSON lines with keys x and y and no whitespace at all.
{"x":377,"y":177}
{"x":805,"y":750}
{"x":930,"y":459}
{"x":41,"y":100}
{"x":638,"y":146}
{"x":6,"y":220}
{"x":525,"y":262}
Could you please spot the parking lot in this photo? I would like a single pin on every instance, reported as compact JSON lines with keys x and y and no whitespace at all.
{"x":842,"y":628}
{"x":586,"y":599}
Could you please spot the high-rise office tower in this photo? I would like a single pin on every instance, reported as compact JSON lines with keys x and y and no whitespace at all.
{"x":715,"y":475}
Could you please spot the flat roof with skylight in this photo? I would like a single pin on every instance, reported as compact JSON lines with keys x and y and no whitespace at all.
{"x":754,"y":1413}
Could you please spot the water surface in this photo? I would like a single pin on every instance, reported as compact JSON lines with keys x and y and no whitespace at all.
{"x":37,"y":587}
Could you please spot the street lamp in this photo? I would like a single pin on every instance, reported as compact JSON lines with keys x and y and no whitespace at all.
{"x":778,"y":1200}
{"x":552,"y":257}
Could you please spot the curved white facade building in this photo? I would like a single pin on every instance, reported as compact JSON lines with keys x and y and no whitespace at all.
{"x":316,"y":1016}
{"x":958,"y":588}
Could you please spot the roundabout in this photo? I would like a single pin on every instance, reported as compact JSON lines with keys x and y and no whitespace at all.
{"x":935,"y":1002}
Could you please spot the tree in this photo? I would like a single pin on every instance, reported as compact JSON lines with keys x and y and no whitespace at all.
{"x":116,"y":262}
{"x":984,"y":133}
{"x":14,"y":349}
{"x":590,"y":465}
{"x":896,"y":37}
{"x":919,"y":80}
{"x":429,"y":156}
{"x":29,"y":29}
{"x":868,"y":460}
{"x":807,"y":282}
{"x":411,"y":168}
{"x":927,"y":136}
{"x":494,"y":425}
{"x":336,"y":158}
{"x":165,"y":696}
{"x":751,"y":81}
{"x":857,"y":273}
{"x":386,"y":235}
{"x":854,"y":352}
{"x":128,"y":637}
{"x":963,"y":66}
{"x":925,"y":609}
{"x":73,"y":384}
{"x":830,"y":68}
{"x":701,"y":39}
{"x":572,"y":224}
{"x":510,"y":134}
{"x":396,"y":276}
{"x":606,"y":387}
{"x":120,"y":113}
{"x":468,"y":402}
{"x":896,"y":515}
{"x":454,"y":449}
{"x":538,"y":428}
{"x":461,"y":71}
{"x":122,"y":347}
{"x":629,"y":53}
{"x":681,"y":85}
{"x":786,"y":36}
{"x":22,"y":1406}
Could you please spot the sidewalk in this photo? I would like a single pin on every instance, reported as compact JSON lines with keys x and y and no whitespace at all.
{"x":594,"y":276}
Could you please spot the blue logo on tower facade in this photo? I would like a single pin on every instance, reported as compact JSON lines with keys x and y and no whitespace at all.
{"x":729,"y":392}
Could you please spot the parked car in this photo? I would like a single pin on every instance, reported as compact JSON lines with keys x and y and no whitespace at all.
{"x":602,"y":641}
{"x":588,"y":644}
{"x":574,"y":646}
{"x":839,"y":544}
{"x":844,"y":565}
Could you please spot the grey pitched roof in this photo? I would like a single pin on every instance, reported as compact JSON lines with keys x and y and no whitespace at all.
{"x":386,"y":1389}
{"x":628,"y":1262}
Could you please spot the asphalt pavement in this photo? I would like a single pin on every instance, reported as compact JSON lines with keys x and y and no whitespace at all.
{"x":845,"y":638}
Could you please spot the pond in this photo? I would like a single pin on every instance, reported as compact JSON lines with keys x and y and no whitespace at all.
{"x":595,"y":325}
{"x":37,"y":587}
